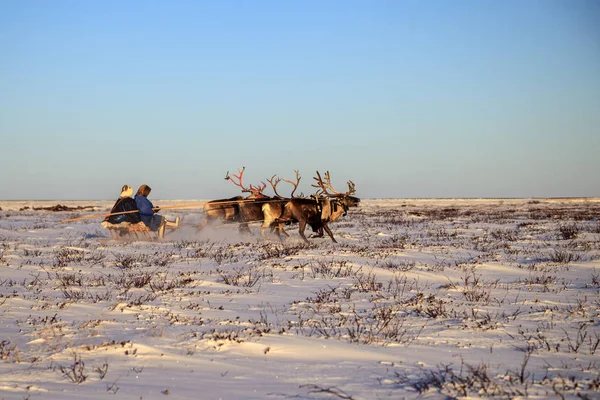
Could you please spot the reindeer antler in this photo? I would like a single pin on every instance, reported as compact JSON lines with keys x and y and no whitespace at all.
{"x":351,"y":189}
{"x":239,"y":178}
{"x":274,"y":182}
{"x":255,"y":190}
{"x":294,"y":184}
{"x":325,"y":186}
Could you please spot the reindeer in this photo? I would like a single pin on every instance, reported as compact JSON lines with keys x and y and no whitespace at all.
{"x":318,"y":210}
{"x":344,"y":199}
{"x":236,"y":209}
{"x":273,"y":209}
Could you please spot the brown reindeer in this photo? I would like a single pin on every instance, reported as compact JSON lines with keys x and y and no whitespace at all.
{"x":318,"y":210}
{"x":345,"y":199}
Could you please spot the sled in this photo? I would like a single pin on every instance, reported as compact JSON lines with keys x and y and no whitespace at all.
{"x":129,"y":231}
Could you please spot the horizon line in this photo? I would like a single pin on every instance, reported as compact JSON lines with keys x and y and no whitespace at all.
{"x":362,"y":198}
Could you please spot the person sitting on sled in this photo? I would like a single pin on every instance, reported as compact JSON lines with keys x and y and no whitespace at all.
{"x":149,"y":216}
{"x":124,"y":204}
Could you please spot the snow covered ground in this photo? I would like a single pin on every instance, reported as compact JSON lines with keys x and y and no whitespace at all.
{"x":421,"y":298}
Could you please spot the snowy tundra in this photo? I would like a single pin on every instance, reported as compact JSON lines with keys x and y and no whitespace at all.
{"x":420,"y":299}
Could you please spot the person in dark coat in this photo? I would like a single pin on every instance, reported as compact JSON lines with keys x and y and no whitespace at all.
{"x":123,"y":204}
{"x":148,"y":212}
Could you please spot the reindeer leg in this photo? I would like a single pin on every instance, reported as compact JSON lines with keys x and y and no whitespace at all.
{"x":266,"y":225}
{"x":318,"y":233}
{"x":244,"y":229}
{"x":329,"y":232}
{"x":301,"y":227}
{"x":202,"y":224}
{"x":263,"y":231}
{"x":274,"y":225}
{"x":277,"y":227}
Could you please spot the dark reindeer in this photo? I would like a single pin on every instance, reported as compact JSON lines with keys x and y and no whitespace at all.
{"x":318,"y":210}
{"x":237,"y":209}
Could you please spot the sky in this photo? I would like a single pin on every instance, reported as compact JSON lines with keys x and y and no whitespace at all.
{"x":404,"y":98}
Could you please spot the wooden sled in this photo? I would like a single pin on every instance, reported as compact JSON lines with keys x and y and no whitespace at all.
{"x":139,"y":231}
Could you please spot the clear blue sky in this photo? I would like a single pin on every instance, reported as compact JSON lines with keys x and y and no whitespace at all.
{"x":405,"y":98}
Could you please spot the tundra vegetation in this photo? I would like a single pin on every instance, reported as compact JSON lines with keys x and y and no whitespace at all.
{"x":418,"y":299}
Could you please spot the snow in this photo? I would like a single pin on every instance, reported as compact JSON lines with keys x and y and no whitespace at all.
{"x":421,"y":298}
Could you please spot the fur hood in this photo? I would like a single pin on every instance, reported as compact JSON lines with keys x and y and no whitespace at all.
{"x":126,"y":191}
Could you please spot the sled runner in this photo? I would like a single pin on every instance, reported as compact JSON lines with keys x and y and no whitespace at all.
{"x":129,"y":231}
